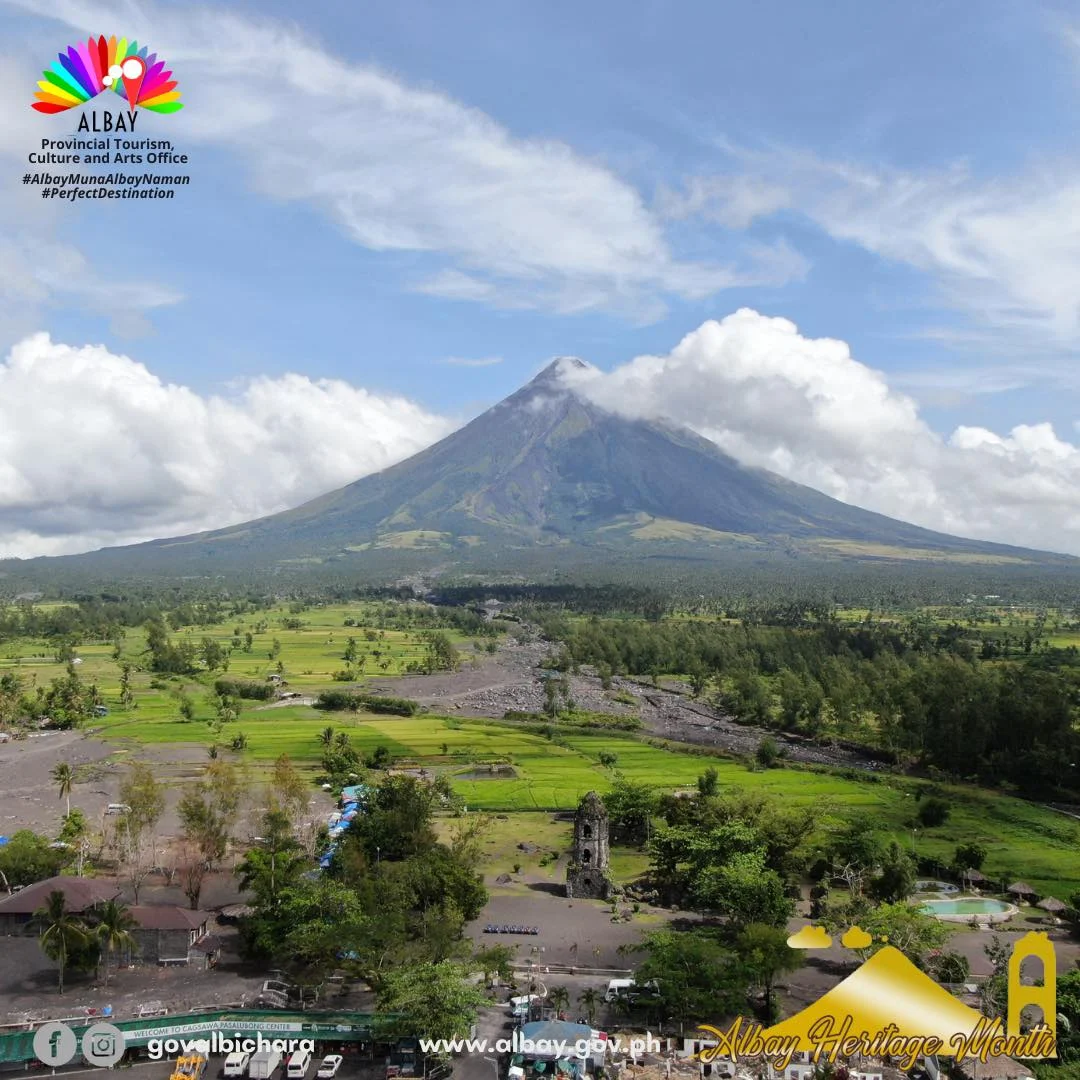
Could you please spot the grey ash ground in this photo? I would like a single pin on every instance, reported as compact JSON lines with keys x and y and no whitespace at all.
{"x":510,"y":681}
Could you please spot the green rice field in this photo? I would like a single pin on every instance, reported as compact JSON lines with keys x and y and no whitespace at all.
{"x":1023,"y":839}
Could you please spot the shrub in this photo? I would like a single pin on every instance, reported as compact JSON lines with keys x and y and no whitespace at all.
{"x":392,"y":706}
{"x":950,"y":967}
{"x":933,"y":812}
{"x":970,"y":856}
{"x":244,"y":688}
{"x":583,"y":718}
{"x":379,"y":758}
{"x":767,"y":753}
{"x":349,"y":701}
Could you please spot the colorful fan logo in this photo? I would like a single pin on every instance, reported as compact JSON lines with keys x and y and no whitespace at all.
{"x":89,"y":69}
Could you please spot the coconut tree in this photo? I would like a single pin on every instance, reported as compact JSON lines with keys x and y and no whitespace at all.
{"x":63,"y":777}
{"x":589,"y":999}
{"x":113,"y":930}
{"x":326,"y":736}
{"x":559,"y":997}
{"x":62,"y":932}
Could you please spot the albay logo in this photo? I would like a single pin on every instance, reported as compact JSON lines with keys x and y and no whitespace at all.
{"x":100,"y":65}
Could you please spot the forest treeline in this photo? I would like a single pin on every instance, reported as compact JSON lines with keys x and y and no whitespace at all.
{"x":929,"y":699}
{"x":82,"y":619}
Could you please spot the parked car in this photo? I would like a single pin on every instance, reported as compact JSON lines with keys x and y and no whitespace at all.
{"x":297,"y":1066}
{"x":329,"y":1067}
{"x":236,"y":1064}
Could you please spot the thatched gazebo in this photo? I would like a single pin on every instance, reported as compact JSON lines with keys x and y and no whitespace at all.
{"x":975,"y":877}
{"x":1022,"y":891}
{"x":1053,"y":905}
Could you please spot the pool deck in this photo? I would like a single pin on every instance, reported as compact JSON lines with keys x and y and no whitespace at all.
{"x":986,"y":917}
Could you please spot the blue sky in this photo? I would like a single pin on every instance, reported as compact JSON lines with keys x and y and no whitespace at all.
{"x":379,"y":192}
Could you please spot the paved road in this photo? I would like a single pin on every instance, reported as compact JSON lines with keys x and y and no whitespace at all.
{"x":492,"y":1024}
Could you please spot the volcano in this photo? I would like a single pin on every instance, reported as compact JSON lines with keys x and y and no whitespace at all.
{"x":547,"y":478}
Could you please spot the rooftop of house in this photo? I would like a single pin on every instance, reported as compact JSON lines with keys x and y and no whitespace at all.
{"x":80,"y":893}
{"x":168,"y":917}
{"x":995,"y":1068}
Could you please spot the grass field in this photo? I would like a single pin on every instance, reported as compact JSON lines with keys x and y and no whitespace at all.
{"x":310,"y":654}
{"x":887,"y":551}
{"x":1023,"y":839}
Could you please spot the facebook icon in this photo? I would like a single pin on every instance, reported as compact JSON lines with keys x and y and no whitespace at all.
{"x":55,"y":1044}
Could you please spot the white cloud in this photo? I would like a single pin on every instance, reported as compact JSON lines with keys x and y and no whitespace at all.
{"x":1005,"y":252}
{"x":96,"y":450}
{"x":732,"y":201}
{"x":523,"y":222}
{"x":479,"y":361}
{"x":807,"y":409}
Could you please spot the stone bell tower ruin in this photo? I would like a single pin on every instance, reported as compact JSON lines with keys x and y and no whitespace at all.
{"x":588,"y":875}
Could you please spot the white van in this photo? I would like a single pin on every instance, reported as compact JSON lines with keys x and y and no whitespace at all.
{"x":298,"y":1064}
{"x":117,"y":808}
{"x":617,"y":988}
{"x":520,"y":1006}
{"x":236,"y":1063}
{"x":630,"y":990}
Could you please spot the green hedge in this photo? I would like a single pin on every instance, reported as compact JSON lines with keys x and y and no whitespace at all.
{"x":350,"y":701}
{"x":244,"y":688}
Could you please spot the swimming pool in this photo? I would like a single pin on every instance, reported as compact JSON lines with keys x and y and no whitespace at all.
{"x":958,"y":910}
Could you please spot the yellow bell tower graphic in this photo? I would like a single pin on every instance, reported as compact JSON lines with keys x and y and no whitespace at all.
{"x":1021,"y":996}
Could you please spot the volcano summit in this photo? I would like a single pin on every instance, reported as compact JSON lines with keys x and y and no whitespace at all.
{"x":546,"y":479}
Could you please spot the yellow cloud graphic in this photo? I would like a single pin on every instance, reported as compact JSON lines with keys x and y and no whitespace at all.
{"x":856,"y":938}
{"x":810,"y":937}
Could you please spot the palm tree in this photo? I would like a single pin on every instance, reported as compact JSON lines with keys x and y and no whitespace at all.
{"x":559,"y":997}
{"x":113,"y":930}
{"x":63,"y":777}
{"x":588,"y":999}
{"x":61,"y":931}
{"x":326,"y":736}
